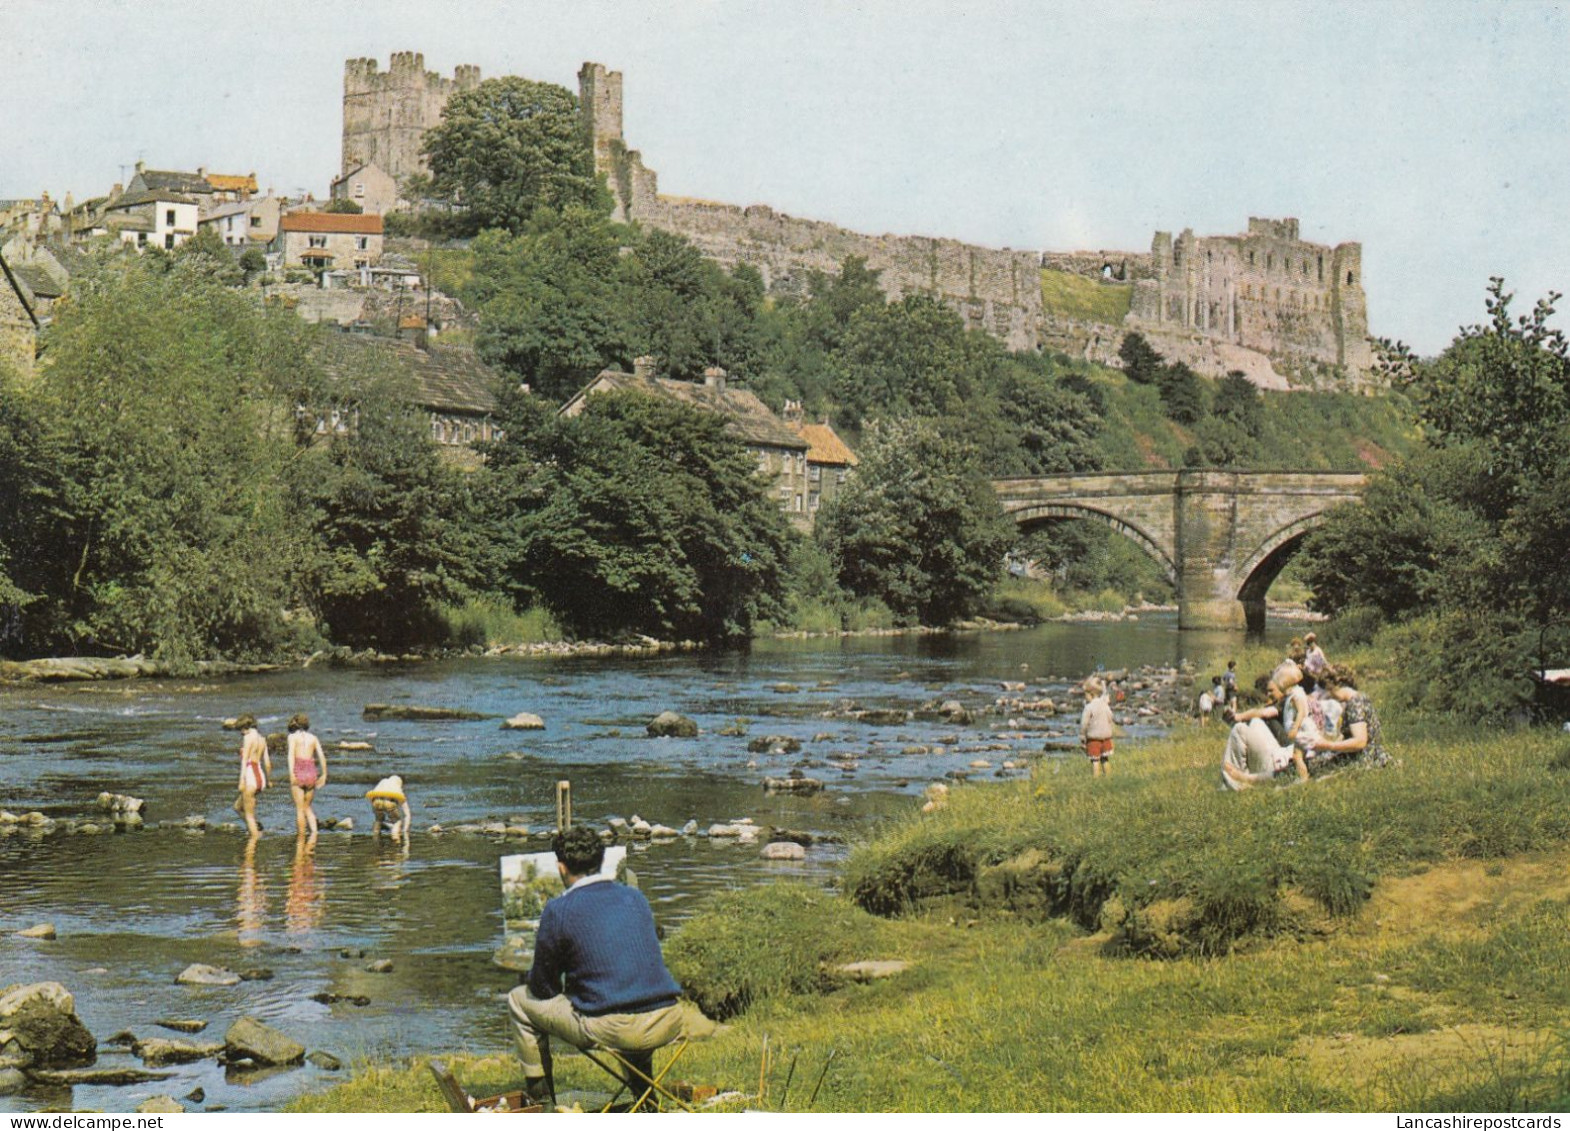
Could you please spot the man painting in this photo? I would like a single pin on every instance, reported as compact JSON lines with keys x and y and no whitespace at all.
{"x":596,"y":942}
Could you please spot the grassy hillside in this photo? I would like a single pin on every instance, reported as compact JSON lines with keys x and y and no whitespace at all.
{"x":1084,"y":300}
{"x":1302,"y":431}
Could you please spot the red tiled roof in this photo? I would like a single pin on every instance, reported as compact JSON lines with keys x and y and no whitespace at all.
{"x":352,"y":223}
{"x":825,"y":446}
{"x":225,"y":183}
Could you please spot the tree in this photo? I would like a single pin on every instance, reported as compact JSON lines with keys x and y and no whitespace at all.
{"x":508,"y":147}
{"x":913,"y":357}
{"x":1183,"y":396}
{"x":551,"y":311}
{"x":395,"y":532}
{"x":638,"y":515}
{"x":1237,"y":402}
{"x":918,"y":526}
{"x":343,"y":204}
{"x":1141,"y":363}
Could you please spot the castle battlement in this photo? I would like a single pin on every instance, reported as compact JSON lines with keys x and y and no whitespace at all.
{"x":386,"y":113}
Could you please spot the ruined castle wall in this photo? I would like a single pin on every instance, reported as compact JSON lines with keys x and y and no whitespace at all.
{"x":386,"y":113}
{"x":1120,"y":265}
{"x":1266,"y":290}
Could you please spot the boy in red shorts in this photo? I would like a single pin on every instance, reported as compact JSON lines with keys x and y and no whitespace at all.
{"x":1095,"y":727}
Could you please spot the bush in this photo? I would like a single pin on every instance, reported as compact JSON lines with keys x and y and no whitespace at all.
{"x":769,"y":941}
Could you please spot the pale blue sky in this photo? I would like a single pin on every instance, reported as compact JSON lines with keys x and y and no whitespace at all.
{"x":1434,"y":133}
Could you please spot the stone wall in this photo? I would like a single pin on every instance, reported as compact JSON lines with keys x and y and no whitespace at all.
{"x":386,"y":113}
{"x":1124,"y":266}
{"x":998,"y":290}
{"x":18,"y":330}
{"x":1266,"y":290}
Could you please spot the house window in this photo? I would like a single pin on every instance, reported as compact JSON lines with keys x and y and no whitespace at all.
{"x":169,"y":240}
{"x":763,"y":460}
{"x":839,"y":478}
{"x":815,"y":473}
{"x":812,"y":501}
{"x":316,"y":241}
{"x":169,"y":217}
{"x":359,"y":190}
{"x":361,"y":243}
{"x":798,"y":504}
{"x":361,"y":264}
{"x":256,"y":221}
{"x":141,"y":239}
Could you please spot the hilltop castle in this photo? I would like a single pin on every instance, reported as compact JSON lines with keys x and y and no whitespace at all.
{"x":1264,"y":302}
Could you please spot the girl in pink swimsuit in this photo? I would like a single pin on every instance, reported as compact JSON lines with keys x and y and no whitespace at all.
{"x":307,"y":772}
{"x":255,"y":765}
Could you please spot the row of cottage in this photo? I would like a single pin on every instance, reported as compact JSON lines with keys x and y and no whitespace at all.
{"x":41,"y":245}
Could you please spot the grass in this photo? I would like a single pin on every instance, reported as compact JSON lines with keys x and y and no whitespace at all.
{"x":1084,"y":300}
{"x":1388,"y":939}
{"x":489,"y":621}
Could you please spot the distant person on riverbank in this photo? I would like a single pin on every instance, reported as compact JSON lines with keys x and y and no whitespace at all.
{"x":1095,"y":727}
{"x":1207,"y":702}
{"x":390,"y":807}
{"x":1229,"y":685}
{"x":255,"y":764}
{"x":307,"y":771}
{"x":1314,"y":662}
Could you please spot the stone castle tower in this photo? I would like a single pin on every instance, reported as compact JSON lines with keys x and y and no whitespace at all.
{"x":386,"y":113}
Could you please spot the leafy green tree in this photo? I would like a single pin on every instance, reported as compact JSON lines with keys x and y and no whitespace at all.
{"x":1141,"y":362}
{"x":342,"y":204}
{"x":395,"y":530}
{"x":169,"y":395}
{"x":1237,"y":402}
{"x":551,"y":311}
{"x":638,"y":515}
{"x":1054,"y":428}
{"x":918,"y":526}
{"x":910,"y":358}
{"x":508,"y":147}
{"x":1183,"y":396}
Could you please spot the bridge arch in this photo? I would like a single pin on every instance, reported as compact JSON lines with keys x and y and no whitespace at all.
{"x":1037,"y":514}
{"x":1261,"y":568}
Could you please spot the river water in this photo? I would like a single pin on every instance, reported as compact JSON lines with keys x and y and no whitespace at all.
{"x":133,"y":909}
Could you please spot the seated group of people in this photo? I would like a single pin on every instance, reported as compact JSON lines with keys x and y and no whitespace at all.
{"x":1313,"y":717}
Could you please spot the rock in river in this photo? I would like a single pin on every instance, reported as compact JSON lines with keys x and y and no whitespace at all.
{"x":420,"y":714}
{"x":161,"y":1105}
{"x":792,"y":784}
{"x":165,"y":1050}
{"x":523,"y":720}
{"x":39,"y":1028}
{"x":70,"y":1077}
{"x":181,"y":1024}
{"x":200,"y":974}
{"x":44,"y":931}
{"x":668,"y":724}
{"x":249,"y":1039}
{"x":783,"y":850}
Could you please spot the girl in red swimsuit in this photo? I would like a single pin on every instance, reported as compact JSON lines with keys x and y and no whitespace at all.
{"x":307,"y":772}
{"x":255,"y":765}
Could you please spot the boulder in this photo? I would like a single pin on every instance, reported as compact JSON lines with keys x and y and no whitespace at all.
{"x":326,"y":1061}
{"x":690,"y":828}
{"x":181,"y":1024}
{"x":120,"y":803}
{"x":161,"y":1105}
{"x":783,"y":850}
{"x":114,"y":1077}
{"x":792,"y":784}
{"x":39,"y":1028}
{"x":524,"y":721}
{"x":772,"y":742}
{"x":955,"y":712}
{"x":668,"y":724}
{"x":724,"y":831}
{"x":418,"y":714}
{"x":41,"y":931}
{"x":200,"y":974}
{"x":249,"y":1039}
{"x":345,"y":824}
{"x":879,"y":717}
{"x":355,"y":744}
{"x":379,"y":966}
{"x":166,"y":1050}
{"x":11,"y":1081}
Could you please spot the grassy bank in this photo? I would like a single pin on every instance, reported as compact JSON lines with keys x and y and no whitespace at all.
{"x":1380,"y":939}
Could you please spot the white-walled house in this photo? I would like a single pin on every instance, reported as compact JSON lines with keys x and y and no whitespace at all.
{"x":151,"y":218}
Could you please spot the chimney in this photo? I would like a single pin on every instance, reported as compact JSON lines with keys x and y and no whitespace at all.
{"x":714,"y":378}
{"x":201,"y":171}
{"x":643,"y":368}
{"x":141,"y":166}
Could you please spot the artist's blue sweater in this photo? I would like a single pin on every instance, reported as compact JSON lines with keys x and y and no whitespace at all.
{"x":600,"y":939}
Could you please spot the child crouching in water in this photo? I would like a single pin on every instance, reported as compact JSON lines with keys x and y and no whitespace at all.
{"x":390,"y":807}
{"x":1095,"y":727}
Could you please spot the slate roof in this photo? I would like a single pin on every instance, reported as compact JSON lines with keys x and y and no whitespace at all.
{"x":37,"y":280}
{"x":446,"y":378}
{"x":825,"y":446}
{"x":360,"y":224}
{"x":746,"y":417}
{"x":18,"y":288}
{"x":150,"y":196}
{"x":166,"y":180}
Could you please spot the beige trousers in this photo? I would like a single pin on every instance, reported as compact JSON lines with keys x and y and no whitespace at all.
{"x":536,"y":1020}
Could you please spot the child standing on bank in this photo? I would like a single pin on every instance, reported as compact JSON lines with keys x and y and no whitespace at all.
{"x":1095,"y":727}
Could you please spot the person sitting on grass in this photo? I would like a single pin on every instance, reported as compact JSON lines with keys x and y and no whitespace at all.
{"x":598,"y":978}
{"x":1258,"y":748}
{"x":1360,"y":730}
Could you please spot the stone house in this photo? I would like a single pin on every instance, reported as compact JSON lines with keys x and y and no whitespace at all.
{"x":781,"y":453}
{"x":829,"y":463}
{"x":18,"y":323}
{"x":245,"y":223}
{"x":42,"y":270}
{"x":329,"y":240}
{"x":207,"y":189}
{"x":369,"y":186}
{"x":457,"y":392}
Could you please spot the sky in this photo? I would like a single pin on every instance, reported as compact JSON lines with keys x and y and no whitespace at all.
{"x":1434,"y":133}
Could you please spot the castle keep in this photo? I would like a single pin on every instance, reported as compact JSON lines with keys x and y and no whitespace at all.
{"x":386,"y":113}
{"x":1264,"y":302}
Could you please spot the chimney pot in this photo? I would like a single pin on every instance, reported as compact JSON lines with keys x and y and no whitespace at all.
{"x":714,"y":378}
{"x":643,"y":367}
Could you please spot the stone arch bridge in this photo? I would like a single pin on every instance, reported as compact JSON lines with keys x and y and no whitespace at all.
{"x":1220,"y":536}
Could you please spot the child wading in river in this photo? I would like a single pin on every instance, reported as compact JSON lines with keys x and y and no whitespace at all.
{"x":390,"y":807}
{"x":1095,"y":727}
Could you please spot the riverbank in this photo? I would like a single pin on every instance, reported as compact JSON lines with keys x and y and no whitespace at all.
{"x":1382,"y":939}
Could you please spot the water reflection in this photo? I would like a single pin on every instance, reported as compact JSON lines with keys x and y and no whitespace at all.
{"x":307,"y":901}
{"x":250,"y":903}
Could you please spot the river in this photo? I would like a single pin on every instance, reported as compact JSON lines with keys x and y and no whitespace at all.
{"x":133,"y":909}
